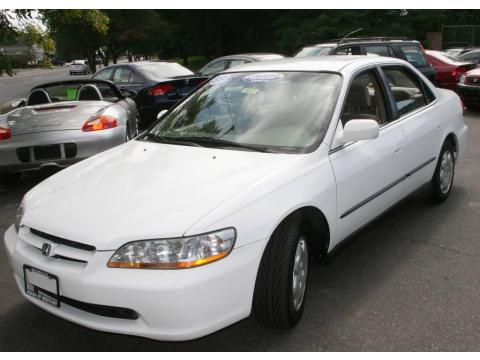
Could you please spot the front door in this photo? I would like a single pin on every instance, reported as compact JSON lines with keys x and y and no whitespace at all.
{"x":368,"y":173}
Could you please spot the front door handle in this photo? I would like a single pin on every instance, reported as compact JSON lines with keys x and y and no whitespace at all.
{"x":397,"y":151}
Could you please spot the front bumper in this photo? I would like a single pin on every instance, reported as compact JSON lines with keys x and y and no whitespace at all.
{"x":172,"y":305}
{"x":87,"y":144}
{"x":470,"y":95}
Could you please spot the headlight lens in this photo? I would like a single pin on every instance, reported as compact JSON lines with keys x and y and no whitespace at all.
{"x":179,"y":253}
{"x":18,"y":217}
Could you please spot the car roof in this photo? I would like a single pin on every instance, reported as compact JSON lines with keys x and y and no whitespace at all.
{"x":373,"y":40}
{"x":315,"y":63}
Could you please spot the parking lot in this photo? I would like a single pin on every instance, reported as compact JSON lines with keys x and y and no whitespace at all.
{"x":411,"y":281}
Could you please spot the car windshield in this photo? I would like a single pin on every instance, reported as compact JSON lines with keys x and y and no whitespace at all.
{"x":314,"y":51}
{"x":161,"y":70}
{"x":70,"y":92}
{"x":269,"y":111}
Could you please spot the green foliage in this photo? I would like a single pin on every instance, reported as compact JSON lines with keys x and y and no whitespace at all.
{"x":77,"y":33}
{"x":45,"y":63}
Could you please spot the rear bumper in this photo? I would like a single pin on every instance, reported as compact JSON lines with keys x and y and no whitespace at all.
{"x":87,"y":144}
{"x":171,"y":304}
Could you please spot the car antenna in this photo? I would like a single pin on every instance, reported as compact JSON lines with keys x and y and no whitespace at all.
{"x":351,"y":33}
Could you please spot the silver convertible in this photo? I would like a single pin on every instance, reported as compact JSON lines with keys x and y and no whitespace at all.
{"x":61,"y":123}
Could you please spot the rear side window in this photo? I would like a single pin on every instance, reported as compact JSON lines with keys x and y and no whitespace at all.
{"x":407,"y":89}
{"x":414,"y":55}
{"x":380,"y":50}
{"x":122,"y":75}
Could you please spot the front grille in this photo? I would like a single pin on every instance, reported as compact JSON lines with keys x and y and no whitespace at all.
{"x":61,"y":241}
{"x":47,"y":152}
{"x":102,"y":310}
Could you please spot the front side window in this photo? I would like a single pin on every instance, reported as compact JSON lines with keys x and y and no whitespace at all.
{"x":237,"y":62}
{"x":279,"y":111}
{"x":406,"y":89}
{"x":315,"y":51}
{"x":365,"y":99}
{"x":104,"y":74}
{"x":214,"y":68}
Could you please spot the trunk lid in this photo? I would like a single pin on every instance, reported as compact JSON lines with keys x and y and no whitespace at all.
{"x":52,"y":117}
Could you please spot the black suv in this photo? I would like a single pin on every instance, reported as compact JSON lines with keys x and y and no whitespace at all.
{"x":409,"y":50}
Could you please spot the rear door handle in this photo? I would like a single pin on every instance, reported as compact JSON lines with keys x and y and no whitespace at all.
{"x":397,"y":151}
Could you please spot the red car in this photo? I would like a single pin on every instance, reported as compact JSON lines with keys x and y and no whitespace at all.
{"x":469,"y":89}
{"x":448,"y":68}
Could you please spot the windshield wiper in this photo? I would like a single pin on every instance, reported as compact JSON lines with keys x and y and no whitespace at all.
{"x":169,"y":140}
{"x":226,"y":143}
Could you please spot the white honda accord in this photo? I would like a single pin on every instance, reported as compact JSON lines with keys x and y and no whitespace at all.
{"x":215,"y":211}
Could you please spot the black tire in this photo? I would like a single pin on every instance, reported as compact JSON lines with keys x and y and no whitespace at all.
{"x":440,"y":191}
{"x":131,"y":134}
{"x":10,"y":179}
{"x":273,"y":304}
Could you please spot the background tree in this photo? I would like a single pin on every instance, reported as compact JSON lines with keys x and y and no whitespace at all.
{"x":8,"y":34}
{"x":77,"y":33}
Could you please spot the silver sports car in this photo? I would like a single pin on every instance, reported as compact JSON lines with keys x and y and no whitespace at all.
{"x":61,"y":123}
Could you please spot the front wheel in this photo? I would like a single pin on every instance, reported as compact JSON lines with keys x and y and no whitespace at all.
{"x":280,"y":288}
{"x":444,"y":172}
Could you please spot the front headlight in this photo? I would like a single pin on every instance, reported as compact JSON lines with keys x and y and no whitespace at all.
{"x":178,"y":253}
{"x":462,"y":79}
{"x":18,"y":217}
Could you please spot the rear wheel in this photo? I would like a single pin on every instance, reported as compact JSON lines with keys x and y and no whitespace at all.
{"x":280,"y":288}
{"x":444,"y":172}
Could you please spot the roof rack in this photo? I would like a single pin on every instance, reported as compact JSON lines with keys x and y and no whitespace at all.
{"x":373,"y":38}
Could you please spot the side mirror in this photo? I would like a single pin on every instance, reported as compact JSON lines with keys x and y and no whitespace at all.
{"x":161,"y":113}
{"x":128,"y":93}
{"x":358,"y":129}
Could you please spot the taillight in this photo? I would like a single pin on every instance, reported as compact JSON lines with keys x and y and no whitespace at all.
{"x":160,"y":89}
{"x":5,"y":133}
{"x":459,"y":71}
{"x":101,"y":122}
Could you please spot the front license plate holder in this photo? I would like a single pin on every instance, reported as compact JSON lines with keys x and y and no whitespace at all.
{"x":41,"y":285}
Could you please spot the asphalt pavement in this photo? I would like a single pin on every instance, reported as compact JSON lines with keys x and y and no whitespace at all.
{"x":410,"y":282}
{"x":18,"y":86}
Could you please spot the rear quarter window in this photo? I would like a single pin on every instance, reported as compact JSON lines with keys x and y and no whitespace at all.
{"x":414,"y":55}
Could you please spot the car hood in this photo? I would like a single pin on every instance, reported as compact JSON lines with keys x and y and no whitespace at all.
{"x":51,"y":117}
{"x":474,"y":72}
{"x":142,"y":190}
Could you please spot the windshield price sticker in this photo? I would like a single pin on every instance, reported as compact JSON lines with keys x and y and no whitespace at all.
{"x":263,"y":77}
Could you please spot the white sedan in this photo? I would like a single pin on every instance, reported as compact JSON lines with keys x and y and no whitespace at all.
{"x":215,"y":212}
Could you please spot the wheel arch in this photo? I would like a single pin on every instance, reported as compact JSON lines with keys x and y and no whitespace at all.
{"x":315,"y":228}
{"x":452,"y":139}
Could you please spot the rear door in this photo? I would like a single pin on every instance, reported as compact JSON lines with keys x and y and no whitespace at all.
{"x":368,"y":173}
{"x":414,"y":112}
{"x":127,"y":78}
